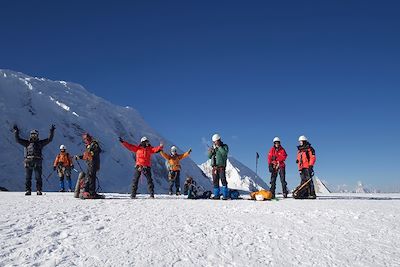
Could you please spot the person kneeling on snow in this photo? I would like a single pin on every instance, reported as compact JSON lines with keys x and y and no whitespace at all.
{"x":63,"y":164}
{"x":219,"y":156}
{"x":143,"y":151}
{"x":92,"y":158}
{"x":174,"y":168}
{"x":305,"y":160}
{"x":194,"y":191}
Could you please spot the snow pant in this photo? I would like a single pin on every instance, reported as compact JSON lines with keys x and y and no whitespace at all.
{"x":282,"y":175}
{"x":219,"y":174}
{"x":33,"y":165}
{"x":64,"y":171}
{"x":90,"y":185}
{"x":174,"y":179}
{"x":146,"y":172}
{"x":305,"y":175}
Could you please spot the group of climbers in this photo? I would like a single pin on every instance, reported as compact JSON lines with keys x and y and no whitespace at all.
{"x":63,"y":162}
{"x":305,"y":161}
{"x":218,"y":155}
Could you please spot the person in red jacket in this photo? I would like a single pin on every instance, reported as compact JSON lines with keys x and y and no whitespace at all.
{"x":276,"y":161}
{"x":305,"y":161}
{"x":143,"y":151}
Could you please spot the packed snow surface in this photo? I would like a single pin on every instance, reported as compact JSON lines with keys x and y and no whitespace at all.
{"x":337,"y":230}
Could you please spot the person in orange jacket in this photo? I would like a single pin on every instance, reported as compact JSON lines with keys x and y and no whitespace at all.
{"x":143,"y":151}
{"x":305,"y":160}
{"x":174,"y":168}
{"x":63,"y":164}
{"x":276,"y":162}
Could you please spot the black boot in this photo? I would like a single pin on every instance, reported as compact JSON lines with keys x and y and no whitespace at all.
{"x":28,"y":193}
{"x":39,"y":193}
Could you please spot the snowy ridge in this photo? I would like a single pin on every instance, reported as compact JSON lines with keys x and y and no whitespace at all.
{"x":36,"y":103}
{"x":238,"y":175}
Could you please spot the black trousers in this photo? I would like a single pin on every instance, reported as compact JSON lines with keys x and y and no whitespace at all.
{"x":219,"y":174}
{"x":146,"y":171}
{"x":91,"y":174}
{"x":305,"y":175}
{"x":174,"y":179}
{"x":282,"y":175}
{"x":34,"y":165}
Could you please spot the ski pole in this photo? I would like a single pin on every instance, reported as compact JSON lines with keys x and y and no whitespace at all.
{"x":80,"y":167}
{"x":47,"y":178}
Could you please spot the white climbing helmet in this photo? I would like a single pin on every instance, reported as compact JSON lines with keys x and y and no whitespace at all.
{"x":62,"y":147}
{"x":216,"y":137}
{"x":303,"y":138}
{"x":276,"y":139}
{"x":173,"y":149}
{"x":144,"y":139}
{"x":259,"y":197}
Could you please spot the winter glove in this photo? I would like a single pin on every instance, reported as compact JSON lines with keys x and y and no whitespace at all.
{"x":72,"y":167}
{"x":271,"y":168}
{"x":297,"y":161}
{"x":15,"y":127}
{"x":120,"y":139}
{"x":53,"y":127}
{"x":190,"y":151}
{"x":54,"y":168}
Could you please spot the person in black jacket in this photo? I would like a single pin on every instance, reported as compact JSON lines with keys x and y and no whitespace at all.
{"x":33,"y":157}
{"x":92,"y":158}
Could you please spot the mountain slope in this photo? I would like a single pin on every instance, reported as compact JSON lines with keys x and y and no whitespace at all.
{"x":238,"y":175}
{"x":36,"y":103}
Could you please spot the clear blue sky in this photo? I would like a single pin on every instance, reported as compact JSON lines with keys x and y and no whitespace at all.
{"x":249,"y":70}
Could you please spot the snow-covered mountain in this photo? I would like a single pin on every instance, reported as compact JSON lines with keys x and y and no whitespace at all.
{"x":360,"y":189}
{"x":36,"y":103}
{"x":238,"y":175}
{"x":320,"y":187}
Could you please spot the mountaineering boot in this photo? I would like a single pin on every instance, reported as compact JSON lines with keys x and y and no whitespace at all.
{"x":170,"y":193}
{"x":216,"y":193}
{"x":225,"y":193}
{"x":152,"y":196}
{"x":178,"y":193}
{"x":133,"y":196}
{"x":28,"y":193}
{"x":39,"y":193}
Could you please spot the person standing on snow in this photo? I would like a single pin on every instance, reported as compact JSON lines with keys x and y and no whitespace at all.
{"x":276,"y":162}
{"x":33,"y":157}
{"x":92,"y":158}
{"x":174,"y":168}
{"x":306,"y":160}
{"x":64,"y":165}
{"x":143,"y":151}
{"x":219,"y":155}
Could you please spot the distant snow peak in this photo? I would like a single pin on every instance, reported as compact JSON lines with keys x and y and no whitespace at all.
{"x":238,"y":176}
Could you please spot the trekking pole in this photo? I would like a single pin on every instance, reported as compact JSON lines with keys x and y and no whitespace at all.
{"x":48,"y":176}
{"x":80,"y":167}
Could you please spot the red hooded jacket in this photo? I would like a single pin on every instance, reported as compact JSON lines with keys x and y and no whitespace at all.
{"x":143,"y":154}
{"x":277,"y":155}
